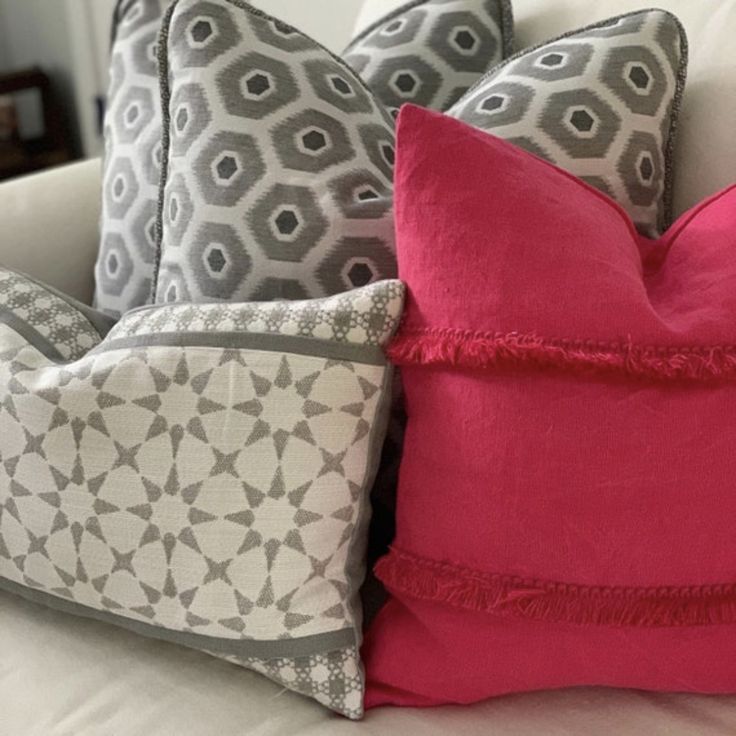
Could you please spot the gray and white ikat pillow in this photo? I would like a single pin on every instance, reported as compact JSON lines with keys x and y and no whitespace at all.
{"x":279,"y":159}
{"x":132,"y":166}
{"x":278,"y":162}
{"x":436,"y":48}
{"x":601,"y":103}
{"x":430,"y":52}
{"x":200,"y":473}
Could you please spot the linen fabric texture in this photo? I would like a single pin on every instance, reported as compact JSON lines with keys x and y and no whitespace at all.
{"x":571,"y":523}
{"x":201,"y":474}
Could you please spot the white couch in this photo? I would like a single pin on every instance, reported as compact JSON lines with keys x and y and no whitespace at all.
{"x":61,"y":676}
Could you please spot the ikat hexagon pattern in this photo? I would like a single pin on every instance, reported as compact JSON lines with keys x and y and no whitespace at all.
{"x":124,"y":270}
{"x":629,"y":65}
{"x":281,"y":146}
{"x":601,"y":103}
{"x":431,"y":52}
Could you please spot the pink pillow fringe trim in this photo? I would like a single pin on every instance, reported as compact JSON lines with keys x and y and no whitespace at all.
{"x":467,"y":349}
{"x":539,"y":600}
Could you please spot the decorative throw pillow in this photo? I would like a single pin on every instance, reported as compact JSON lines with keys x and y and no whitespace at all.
{"x":201,"y":475}
{"x":572,"y":522}
{"x":601,"y":103}
{"x":287,"y":223}
{"x":124,"y":270}
{"x":278,"y":159}
{"x":60,"y":327}
{"x":460,"y":42}
{"x":278,"y":162}
{"x":430,"y":52}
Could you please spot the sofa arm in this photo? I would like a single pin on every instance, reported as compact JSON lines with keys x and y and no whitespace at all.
{"x":49,"y":226}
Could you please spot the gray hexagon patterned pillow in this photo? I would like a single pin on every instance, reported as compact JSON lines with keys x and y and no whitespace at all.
{"x":279,"y":158}
{"x":430,"y":52}
{"x":459,"y":39}
{"x":132,"y":168}
{"x":278,"y":162}
{"x":601,"y":103}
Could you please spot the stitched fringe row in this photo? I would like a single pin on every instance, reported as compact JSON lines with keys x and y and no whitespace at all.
{"x":501,"y":595}
{"x":465,"y":349}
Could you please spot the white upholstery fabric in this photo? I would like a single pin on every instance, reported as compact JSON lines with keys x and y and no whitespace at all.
{"x":706,"y":155}
{"x":49,"y":225}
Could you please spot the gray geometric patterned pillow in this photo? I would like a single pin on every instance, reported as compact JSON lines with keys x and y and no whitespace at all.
{"x":442,"y":47}
{"x":278,"y":162}
{"x":430,"y":52}
{"x":201,"y":475}
{"x":63,"y":328}
{"x":132,"y":168}
{"x":601,"y":103}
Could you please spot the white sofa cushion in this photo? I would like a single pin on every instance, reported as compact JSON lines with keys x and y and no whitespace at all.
{"x":50,"y":226}
{"x":64,"y":676}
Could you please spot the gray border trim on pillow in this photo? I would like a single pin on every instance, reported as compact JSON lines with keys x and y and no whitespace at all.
{"x":356,"y":569}
{"x":165,"y":97}
{"x":34,"y":338}
{"x":296,"y":344}
{"x":507,"y":24}
{"x":101,"y":322}
{"x":669,"y":147}
{"x":165,"y":94}
{"x":297,"y":647}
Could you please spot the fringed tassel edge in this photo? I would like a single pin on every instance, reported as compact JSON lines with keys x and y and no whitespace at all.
{"x":556,"y":602}
{"x":464,"y":349}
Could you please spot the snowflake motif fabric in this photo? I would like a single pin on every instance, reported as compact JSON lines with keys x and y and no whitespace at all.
{"x":201,"y":474}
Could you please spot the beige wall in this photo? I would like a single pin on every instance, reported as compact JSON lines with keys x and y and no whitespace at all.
{"x":89,"y":29}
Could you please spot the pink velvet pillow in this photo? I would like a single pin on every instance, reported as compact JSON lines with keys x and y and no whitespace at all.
{"x":567,"y":499}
